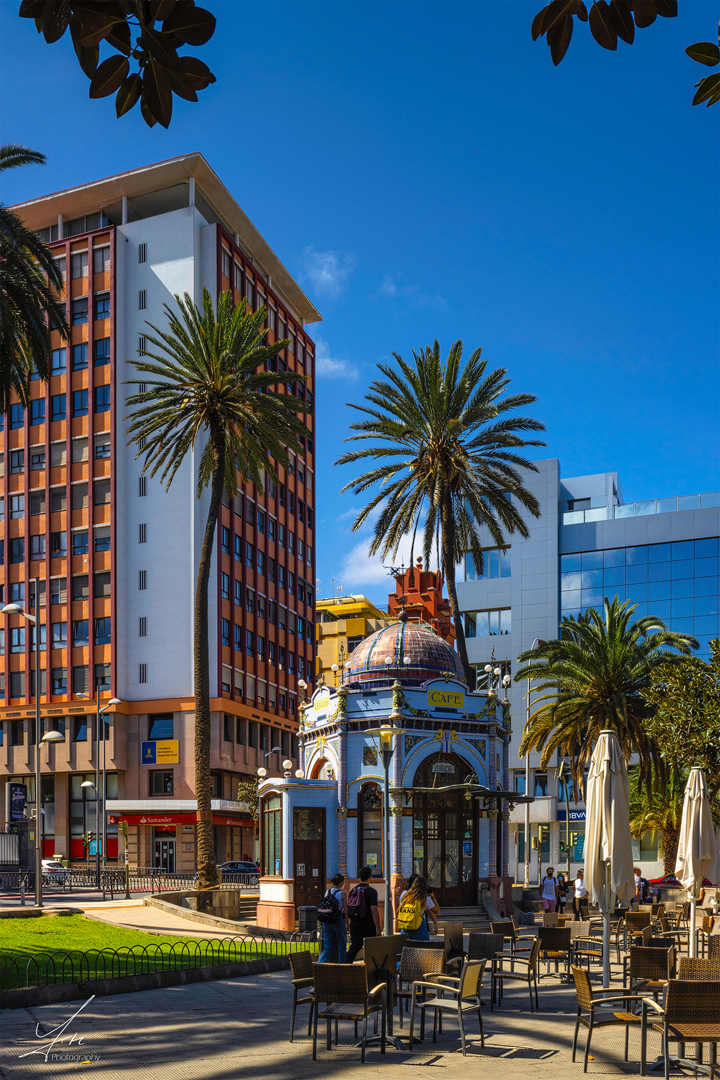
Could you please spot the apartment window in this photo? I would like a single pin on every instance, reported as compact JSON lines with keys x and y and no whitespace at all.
{"x":58,"y":407}
{"x":281,"y":535}
{"x":79,"y":311}
{"x":102,"y":306}
{"x":291,"y":503}
{"x":237,"y":591}
{"x":17,"y":417}
{"x":249,"y":642}
{"x":59,"y":680}
{"x":80,"y":681}
{"x":142,"y":630}
{"x":17,"y":639}
{"x":102,"y":399}
{"x":79,"y":496}
{"x":17,"y":506}
{"x":17,"y":688}
{"x":59,"y":635}
{"x":261,"y":562}
{"x":58,"y":591}
{"x":141,"y":343}
{"x":80,"y":356}
{"x":261,"y":647}
{"x":261,"y":606}
{"x":160,"y":726}
{"x":227,"y":728}
{"x":80,"y":632}
{"x":291,"y":542}
{"x":260,"y":521}
{"x":238,"y":637}
{"x":225,"y":539}
{"x":58,"y":500}
{"x":142,"y":539}
{"x":58,"y":454}
{"x":101,"y":352}
{"x":61,"y":261}
{"x":142,"y":579}
{"x":541,"y":783}
{"x":249,"y":600}
{"x":271,"y":652}
{"x":142,"y":253}
{"x":37,"y":411}
{"x":101,"y":493}
{"x":58,"y":361}
{"x":80,"y":587}
{"x":225,"y":586}
{"x":79,"y":265}
{"x":290,"y":582}
{"x":102,"y":446}
{"x":102,"y":631}
{"x":37,"y":547}
{"x":80,"y":403}
{"x":101,"y":537}
{"x":249,"y":554}
{"x":496,"y":564}
{"x":17,"y":461}
{"x":142,"y":299}
{"x":142,"y":673}
{"x":281,"y":576}
{"x":103,"y":677}
{"x":17,"y":549}
{"x":80,"y":543}
{"x":308,"y":511}
{"x":225,"y":631}
{"x":142,"y":485}
{"x":488,"y":623}
{"x":161,"y":783}
{"x":37,"y":459}
{"x":101,"y":260}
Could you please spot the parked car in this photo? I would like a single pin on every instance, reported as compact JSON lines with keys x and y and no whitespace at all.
{"x":54,"y":873}
{"x":242,"y":866}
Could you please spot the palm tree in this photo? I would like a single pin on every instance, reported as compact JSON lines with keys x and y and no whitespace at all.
{"x":660,"y":810}
{"x":592,"y":678}
{"x":208,"y":387}
{"x":29,"y":283}
{"x":447,"y":461}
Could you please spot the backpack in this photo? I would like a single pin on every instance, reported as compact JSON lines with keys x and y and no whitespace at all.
{"x":410,"y":915}
{"x":328,"y":909}
{"x":357,"y":905}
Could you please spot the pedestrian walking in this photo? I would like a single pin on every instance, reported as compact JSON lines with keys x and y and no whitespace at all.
{"x":362,"y":911}
{"x":580,"y":899}
{"x":549,"y":890}
{"x":331,"y":916}
{"x":411,"y":911}
{"x":432,"y":908}
{"x":562,"y":893}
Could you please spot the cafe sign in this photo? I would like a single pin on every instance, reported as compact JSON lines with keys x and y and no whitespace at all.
{"x":446,"y":699}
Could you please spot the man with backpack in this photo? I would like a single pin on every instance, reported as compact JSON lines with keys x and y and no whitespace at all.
{"x":332,"y":920}
{"x":363,"y":917}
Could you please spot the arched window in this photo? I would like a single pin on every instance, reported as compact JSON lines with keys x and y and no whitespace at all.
{"x":369,"y":819}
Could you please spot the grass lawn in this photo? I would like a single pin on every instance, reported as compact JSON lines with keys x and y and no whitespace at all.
{"x":75,"y":935}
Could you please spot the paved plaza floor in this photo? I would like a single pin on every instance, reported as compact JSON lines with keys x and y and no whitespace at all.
{"x":238,"y":1030}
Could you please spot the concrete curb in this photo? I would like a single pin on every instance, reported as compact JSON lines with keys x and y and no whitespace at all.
{"x":195,"y":916}
{"x":130,"y":984}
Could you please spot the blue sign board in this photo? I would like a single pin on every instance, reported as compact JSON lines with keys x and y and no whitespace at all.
{"x":148,"y":753}
{"x":93,"y":848}
{"x":575,"y":815}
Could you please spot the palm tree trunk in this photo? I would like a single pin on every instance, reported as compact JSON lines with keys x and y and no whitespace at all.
{"x":671,"y":837}
{"x":447,"y":528}
{"x":207,"y":865}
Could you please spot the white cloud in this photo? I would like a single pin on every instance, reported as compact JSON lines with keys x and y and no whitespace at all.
{"x":359,"y":568}
{"x":390,"y":289}
{"x":328,"y":271}
{"x":330,"y":367}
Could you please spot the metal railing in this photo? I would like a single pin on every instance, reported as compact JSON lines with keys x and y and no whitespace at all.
{"x":641,"y":509}
{"x":143,"y":879}
{"x":45,"y":968}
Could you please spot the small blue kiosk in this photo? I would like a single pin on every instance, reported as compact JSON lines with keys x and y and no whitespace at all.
{"x":403,"y":710}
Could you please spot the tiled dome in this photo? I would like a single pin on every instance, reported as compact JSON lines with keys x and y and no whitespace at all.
{"x":429,"y":657}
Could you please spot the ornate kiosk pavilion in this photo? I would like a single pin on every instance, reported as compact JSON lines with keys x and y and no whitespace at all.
{"x":404,"y":710}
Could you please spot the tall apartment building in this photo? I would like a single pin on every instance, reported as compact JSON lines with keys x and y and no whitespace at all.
{"x":116,"y":555}
{"x":588,"y":543}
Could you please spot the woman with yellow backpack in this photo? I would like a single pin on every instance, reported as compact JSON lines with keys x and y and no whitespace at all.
{"x":410,"y":918}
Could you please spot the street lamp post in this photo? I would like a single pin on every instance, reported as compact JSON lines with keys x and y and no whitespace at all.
{"x":562,"y":775}
{"x":386,"y":749}
{"x":537,"y":641}
{"x":99,"y":794}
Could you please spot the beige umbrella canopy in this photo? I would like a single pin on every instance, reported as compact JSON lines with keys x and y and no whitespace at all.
{"x":608,"y":845}
{"x":697,"y":855}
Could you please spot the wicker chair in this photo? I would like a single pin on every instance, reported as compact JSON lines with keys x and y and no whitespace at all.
{"x":668,"y":929}
{"x":587,"y":1001}
{"x":648,"y":969}
{"x":703,"y":969}
{"x":467,"y":998}
{"x":301,"y":965}
{"x":418,"y":965}
{"x":509,"y":931}
{"x":703,"y":930}
{"x":691,"y":1014}
{"x":344,"y":989}
{"x":589,"y":945}
{"x":484,"y":946}
{"x":555,"y":945}
{"x":529,"y":975}
{"x":635,"y":923}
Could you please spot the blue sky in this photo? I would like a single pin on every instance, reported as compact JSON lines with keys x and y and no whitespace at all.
{"x":425,"y":172}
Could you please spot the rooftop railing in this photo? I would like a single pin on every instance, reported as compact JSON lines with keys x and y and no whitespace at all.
{"x":641,"y":509}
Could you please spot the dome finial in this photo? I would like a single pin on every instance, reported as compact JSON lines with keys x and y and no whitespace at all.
{"x":403,"y":616}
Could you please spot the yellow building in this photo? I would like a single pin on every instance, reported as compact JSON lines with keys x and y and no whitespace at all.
{"x":342,"y":622}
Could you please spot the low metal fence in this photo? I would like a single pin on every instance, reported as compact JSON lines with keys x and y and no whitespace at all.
{"x":142,"y":879}
{"x":43,"y":969}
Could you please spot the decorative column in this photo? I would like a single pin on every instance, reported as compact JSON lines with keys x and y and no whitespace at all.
{"x":341,"y":716}
{"x":507,"y":735}
{"x":396,"y":718}
{"x":301,"y":738}
{"x":493,"y":880}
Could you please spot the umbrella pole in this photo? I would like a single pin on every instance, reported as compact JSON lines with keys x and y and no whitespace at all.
{"x":606,"y":928}
{"x":693,"y":901}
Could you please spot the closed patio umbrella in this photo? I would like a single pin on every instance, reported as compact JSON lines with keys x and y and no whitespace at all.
{"x":697,"y":854}
{"x":608,"y":845}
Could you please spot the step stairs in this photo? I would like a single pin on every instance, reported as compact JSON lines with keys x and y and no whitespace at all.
{"x":472,"y":917}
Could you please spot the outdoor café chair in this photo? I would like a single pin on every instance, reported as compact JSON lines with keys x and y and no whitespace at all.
{"x":301,"y":965}
{"x":454,"y":946}
{"x":691,"y":1015}
{"x":587,"y":1001}
{"x":528,"y":975}
{"x":484,"y":946}
{"x":648,"y":969}
{"x":509,"y":931}
{"x":467,"y":999}
{"x":635,"y":923}
{"x":418,"y":965}
{"x":704,"y":969}
{"x":344,"y":989}
{"x":703,"y":931}
{"x":555,"y":945}
{"x":589,"y":945}
{"x":680,"y":934}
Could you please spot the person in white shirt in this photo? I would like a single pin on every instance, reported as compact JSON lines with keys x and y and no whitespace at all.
{"x":580,"y":900}
{"x":549,"y":890}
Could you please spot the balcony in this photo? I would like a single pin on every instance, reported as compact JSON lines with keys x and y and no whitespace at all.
{"x":641,"y":509}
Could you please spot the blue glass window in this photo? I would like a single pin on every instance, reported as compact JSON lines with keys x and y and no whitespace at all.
{"x":161,"y":727}
{"x":706,"y":624}
{"x":614,"y":577}
{"x":57,"y":406}
{"x":570,"y":613}
{"x":37,"y":411}
{"x":706,"y":605}
{"x":683,"y":569}
{"x":570,"y":562}
{"x":102,"y":306}
{"x":238,"y":548}
{"x":80,"y":403}
{"x":592,"y":599}
{"x":659,"y":553}
{"x":572,"y":599}
{"x":17,"y":417}
{"x":637,"y":592}
{"x":592,"y":579}
{"x":80,"y":356}
{"x":683,"y":626}
{"x":635,"y":556}
{"x":592,"y":560}
{"x":682,"y":609}
{"x":641,"y":611}
{"x":685,"y":549}
{"x":706,"y":586}
{"x":614,"y":557}
{"x":659,"y":590}
{"x":704,"y":548}
{"x":225,"y":631}
{"x":617,"y":592}
{"x":706,"y":568}
{"x":686,"y":587}
{"x":662,"y":608}
{"x":101,"y":350}
{"x":571,"y":581}
{"x":102,"y":399}
{"x":634,"y":574}
{"x":659,"y":571}
{"x":57,"y":362}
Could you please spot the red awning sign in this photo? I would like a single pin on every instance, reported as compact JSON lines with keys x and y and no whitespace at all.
{"x":178,"y":819}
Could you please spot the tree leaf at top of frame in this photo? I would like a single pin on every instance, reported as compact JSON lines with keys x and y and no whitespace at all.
{"x":708,"y":90}
{"x":666,"y":9}
{"x":129,"y":94}
{"x":31,"y":9}
{"x":146,"y":113}
{"x":622,"y":19}
{"x":109,"y":77}
{"x":96,"y":25}
{"x":601,"y":26}
{"x":555,"y":13}
{"x":582,"y":11}
{"x":161,"y":9}
{"x":157,"y":93}
{"x":119,"y":37}
{"x":180,"y":85}
{"x":645,"y":12}
{"x":559,"y":39}
{"x":536,"y":28}
{"x":88,"y":57}
{"x":160,"y":48}
{"x":194,"y":25}
{"x":55,"y":19}
{"x":196,"y":74}
{"x":705,"y":52}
